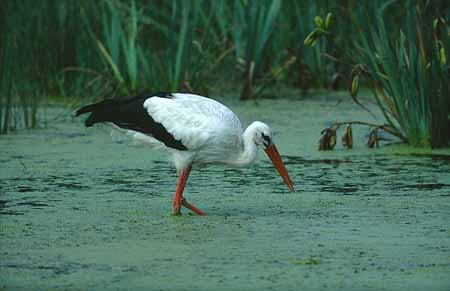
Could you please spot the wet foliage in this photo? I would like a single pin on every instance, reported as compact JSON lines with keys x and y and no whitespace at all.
{"x":347,"y":138}
{"x":328,"y":139}
{"x":399,"y":49}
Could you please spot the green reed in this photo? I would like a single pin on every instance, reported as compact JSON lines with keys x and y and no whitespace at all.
{"x":399,"y":48}
{"x":113,"y":48}
{"x":253,"y":24}
{"x":409,"y":76}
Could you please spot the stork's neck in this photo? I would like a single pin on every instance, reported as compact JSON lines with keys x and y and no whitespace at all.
{"x":248,"y":154}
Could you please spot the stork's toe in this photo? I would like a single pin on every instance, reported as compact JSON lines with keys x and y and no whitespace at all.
{"x":176,"y":213}
{"x":176,"y":208}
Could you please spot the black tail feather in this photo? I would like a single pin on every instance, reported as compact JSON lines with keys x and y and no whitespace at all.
{"x":87,"y":108}
{"x":100,"y":112}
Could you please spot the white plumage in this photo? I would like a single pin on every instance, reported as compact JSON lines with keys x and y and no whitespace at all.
{"x":211,"y":131}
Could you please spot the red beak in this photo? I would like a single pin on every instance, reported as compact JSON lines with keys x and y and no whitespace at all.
{"x":274,"y":156}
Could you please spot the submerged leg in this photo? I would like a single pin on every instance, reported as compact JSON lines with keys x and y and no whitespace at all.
{"x":178,"y":199}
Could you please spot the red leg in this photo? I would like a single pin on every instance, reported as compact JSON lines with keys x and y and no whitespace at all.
{"x":192,"y":207}
{"x":178,"y":199}
{"x":182,"y":179}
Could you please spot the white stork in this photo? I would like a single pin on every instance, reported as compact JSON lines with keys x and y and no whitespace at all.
{"x":195,"y":130}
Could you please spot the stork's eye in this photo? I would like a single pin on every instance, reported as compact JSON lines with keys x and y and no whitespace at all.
{"x":266,"y":139}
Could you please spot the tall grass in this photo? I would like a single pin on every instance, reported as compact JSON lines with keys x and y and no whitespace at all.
{"x":116,"y":45}
{"x":253,"y":24}
{"x":153,"y":49}
{"x":312,"y":71}
{"x":23,"y":79}
{"x":111,"y":48}
{"x":410,"y":78}
{"x":400,"y":47}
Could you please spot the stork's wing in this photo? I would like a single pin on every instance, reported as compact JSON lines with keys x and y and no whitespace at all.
{"x":179,"y":121}
{"x":130,"y":114}
{"x":196,"y":121}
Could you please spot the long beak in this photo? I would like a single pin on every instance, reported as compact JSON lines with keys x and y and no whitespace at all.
{"x":274,"y":156}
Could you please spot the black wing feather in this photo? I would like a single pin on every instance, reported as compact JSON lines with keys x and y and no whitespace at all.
{"x":131,"y":114}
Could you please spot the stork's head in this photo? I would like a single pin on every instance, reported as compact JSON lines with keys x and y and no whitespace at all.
{"x":262,"y":134}
{"x":263,"y":137}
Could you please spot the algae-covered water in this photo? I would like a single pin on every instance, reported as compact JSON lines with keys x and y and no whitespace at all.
{"x":81,"y":210}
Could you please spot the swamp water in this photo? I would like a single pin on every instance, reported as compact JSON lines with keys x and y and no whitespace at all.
{"x":79,"y":210}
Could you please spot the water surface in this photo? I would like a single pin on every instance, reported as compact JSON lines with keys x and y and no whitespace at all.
{"x":79,"y":210}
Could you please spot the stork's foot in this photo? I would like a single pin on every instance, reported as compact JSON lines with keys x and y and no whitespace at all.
{"x":176,"y":212}
{"x":192,"y":207}
{"x":176,"y":208}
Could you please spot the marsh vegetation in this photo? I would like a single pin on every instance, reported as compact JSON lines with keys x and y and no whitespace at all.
{"x":67,"y":50}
